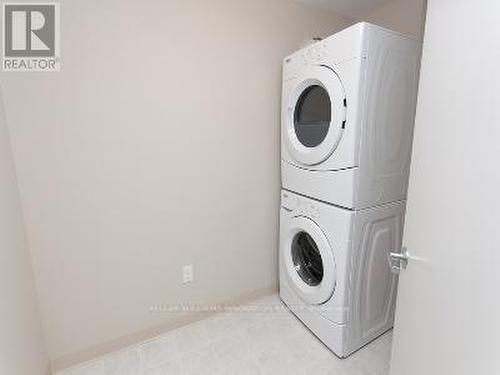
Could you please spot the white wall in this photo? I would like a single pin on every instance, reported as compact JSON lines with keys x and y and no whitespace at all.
{"x":21,"y":343}
{"x":405,"y":16}
{"x":157,"y":145}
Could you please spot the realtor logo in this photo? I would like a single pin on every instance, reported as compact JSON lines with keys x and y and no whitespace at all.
{"x":31,"y":37}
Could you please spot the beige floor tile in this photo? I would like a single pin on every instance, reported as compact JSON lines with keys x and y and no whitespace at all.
{"x":268,"y":340}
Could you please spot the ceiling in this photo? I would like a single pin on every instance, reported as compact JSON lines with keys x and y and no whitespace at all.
{"x":351,"y":8}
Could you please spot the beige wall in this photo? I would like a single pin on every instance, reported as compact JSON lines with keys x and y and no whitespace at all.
{"x":21,"y":343}
{"x":157,"y":145}
{"x":405,"y":16}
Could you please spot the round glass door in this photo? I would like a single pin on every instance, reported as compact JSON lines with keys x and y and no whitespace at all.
{"x":313,"y":114}
{"x":316,"y":116}
{"x":307,"y":259}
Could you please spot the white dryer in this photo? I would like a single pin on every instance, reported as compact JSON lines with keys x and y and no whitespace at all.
{"x":334,"y":269}
{"x":347,"y":117}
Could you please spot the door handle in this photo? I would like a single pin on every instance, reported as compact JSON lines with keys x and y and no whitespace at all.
{"x":398,"y":261}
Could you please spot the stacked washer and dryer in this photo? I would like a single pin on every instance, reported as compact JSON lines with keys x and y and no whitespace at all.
{"x":347,"y":125}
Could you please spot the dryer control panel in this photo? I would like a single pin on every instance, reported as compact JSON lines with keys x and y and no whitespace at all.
{"x":294,"y":65}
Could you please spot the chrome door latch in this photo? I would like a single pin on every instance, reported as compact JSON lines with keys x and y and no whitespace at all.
{"x":398,"y":261}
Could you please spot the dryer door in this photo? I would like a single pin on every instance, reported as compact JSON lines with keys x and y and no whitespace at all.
{"x":315,"y":116}
{"x":309,"y":261}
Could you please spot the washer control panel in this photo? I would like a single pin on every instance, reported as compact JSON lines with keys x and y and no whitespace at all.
{"x":300,"y":206}
{"x":289,"y":201}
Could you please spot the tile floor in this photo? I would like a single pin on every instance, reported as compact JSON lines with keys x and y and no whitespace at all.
{"x":235,"y":343}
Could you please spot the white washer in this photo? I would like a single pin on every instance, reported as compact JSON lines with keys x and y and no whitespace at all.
{"x":347,"y":117}
{"x":334,"y":269}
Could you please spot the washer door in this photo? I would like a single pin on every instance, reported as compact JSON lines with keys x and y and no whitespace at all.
{"x":315,"y":116}
{"x":309,"y":261}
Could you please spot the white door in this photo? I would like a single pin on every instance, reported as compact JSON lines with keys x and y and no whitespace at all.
{"x":448,"y":310}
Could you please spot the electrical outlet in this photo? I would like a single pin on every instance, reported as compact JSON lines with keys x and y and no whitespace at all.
{"x":187,"y":274}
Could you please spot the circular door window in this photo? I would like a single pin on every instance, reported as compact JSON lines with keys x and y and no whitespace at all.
{"x":307,"y":259}
{"x":307,"y":256}
{"x":313,"y":114}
